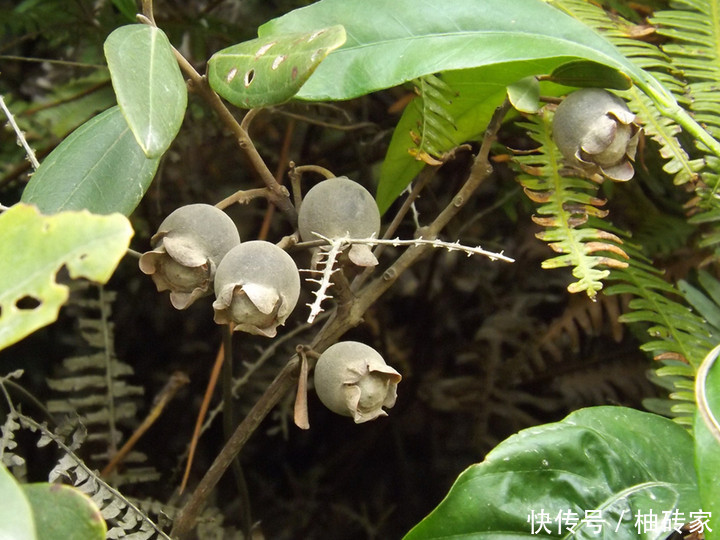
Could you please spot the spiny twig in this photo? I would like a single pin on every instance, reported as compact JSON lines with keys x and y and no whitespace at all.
{"x":20,"y":135}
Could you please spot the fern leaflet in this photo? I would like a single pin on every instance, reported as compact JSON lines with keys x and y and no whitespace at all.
{"x":566,"y":204}
{"x":436,"y":124}
{"x":678,"y":338}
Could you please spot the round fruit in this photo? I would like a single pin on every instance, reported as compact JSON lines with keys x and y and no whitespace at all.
{"x":337,"y":208}
{"x":257,"y":285}
{"x":352,"y":379}
{"x":189,"y":245}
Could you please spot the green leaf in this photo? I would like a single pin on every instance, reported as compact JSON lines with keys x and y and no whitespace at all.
{"x":270,"y":70}
{"x":64,"y":512}
{"x":99,"y":167}
{"x":707,"y":448}
{"x":150,"y":89}
{"x":707,"y":463}
{"x":16,"y":518}
{"x":406,"y":39}
{"x":613,"y":460}
{"x":478,"y":92}
{"x":126,"y":7}
{"x":583,"y":74}
{"x":525,"y":95}
{"x":34,"y":247}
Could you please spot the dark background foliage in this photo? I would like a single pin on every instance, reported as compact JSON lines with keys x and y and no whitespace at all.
{"x":485,"y":348}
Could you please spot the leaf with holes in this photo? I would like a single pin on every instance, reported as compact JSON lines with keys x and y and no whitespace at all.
{"x":406,"y":39}
{"x":34,"y":247}
{"x":270,"y":70}
{"x":100,"y":167}
{"x":148,"y":84}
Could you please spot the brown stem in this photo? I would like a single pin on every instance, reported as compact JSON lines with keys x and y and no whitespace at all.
{"x":177,"y":381}
{"x":278,"y":194}
{"x":285,"y":380}
{"x":242,"y":196}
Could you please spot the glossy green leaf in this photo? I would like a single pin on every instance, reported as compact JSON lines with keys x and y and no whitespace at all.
{"x":406,"y":39}
{"x":611,"y":462}
{"x":590,"y":74}
{"x":707,"y":451}
{"x":16,"y":519}
{"x":270,"y":70}
{"x":99,"y":167}
{"x":64,"y":512}
{"x":148,"y":84}
{"x":34,"y":247}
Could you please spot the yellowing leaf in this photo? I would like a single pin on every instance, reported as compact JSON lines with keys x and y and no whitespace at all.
{"x":34,"y":247}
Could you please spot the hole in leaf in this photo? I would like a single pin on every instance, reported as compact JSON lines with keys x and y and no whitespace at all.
{"x":278,"y":60}
{"x":315,"y":35}
{"x":27,"y":303}
{"x":265,"y":48}
{"x":249,"y":76}
{"x":231,"y":74}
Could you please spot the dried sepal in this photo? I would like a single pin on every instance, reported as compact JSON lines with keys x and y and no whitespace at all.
{"x":352,"y":379}
{"x":187,"y":248}
{"x":257,"y":286}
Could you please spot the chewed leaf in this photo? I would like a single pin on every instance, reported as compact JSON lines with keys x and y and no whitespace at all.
{"x":34,"y":247}
{"x":270,"y":70}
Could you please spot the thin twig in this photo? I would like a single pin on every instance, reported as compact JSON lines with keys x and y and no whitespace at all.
{"x":278,"y":195}
{"x":285,"y":380}
{"x":214,"y":374}
{"x":242,"y":196}
{"x":20,"y":136}
{"x":176,"y":382}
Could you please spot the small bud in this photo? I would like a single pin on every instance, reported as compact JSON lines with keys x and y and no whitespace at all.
{"x":352,"y":379}
{"x":257,"y":285}
{"x":187,"y":248}
{"x":595,"y":130}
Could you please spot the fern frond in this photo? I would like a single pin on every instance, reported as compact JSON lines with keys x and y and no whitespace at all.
{"x":678,"y":338}
{"x":566,"y":204}
{"x":124,"y":519}
{"x":583,"y":317}
{"x":94,"y":385}
{"x":436,"y":124}
{"x":694,"y":28}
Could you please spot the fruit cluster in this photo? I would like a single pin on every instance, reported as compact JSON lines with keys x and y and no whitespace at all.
{"x":197,"y":252}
